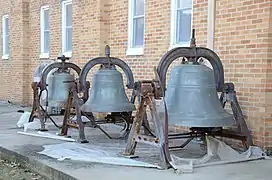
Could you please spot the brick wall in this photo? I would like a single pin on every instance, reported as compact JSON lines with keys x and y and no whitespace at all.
{"x":14,"y":77}
{"x":241,"y":40}
{"x":157,"y":33}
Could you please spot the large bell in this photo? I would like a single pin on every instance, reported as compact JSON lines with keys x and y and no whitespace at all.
{"x":192,"y":100}
{"x":57,"y":89}
{"x":107,"y":93}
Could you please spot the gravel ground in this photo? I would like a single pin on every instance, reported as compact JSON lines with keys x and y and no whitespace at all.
{"x":14,"y":171}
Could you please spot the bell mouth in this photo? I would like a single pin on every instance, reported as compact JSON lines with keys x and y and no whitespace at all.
{"x":223,"y":120}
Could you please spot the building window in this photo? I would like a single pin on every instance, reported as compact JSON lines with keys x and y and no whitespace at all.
{"x":181,"y":22}
{"x":136,"y":27}
{"x":44,"y":32}
{"x":5,"y":34}
{"x":67,"y":28}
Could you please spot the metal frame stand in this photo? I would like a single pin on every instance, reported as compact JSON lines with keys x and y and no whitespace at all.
{"x":37,"y":110}
{"x":229,"y":95}
{"x":67,"y":122}
{"x":73,"y":98}
{"x":148,"y":94}
{"x":113,"y":117}
{"x":149,"y":91}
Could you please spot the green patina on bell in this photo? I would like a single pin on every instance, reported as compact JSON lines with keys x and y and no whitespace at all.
{"x":192,"y":99}
{"x":107,"y":93}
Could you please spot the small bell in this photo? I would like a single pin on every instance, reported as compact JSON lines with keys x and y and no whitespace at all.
{"x":57,"y":88}
{"x":107,"y":93}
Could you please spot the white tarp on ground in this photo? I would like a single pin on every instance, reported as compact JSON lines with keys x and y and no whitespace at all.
{"x":94,"y":153}
{"x":217,"y":153}
{"x":30,"y":128}
{"x":74,"y":151}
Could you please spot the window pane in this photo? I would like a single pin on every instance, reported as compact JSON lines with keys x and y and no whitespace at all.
{"x":46,"y":42}
{"x":183,"y":28}
{"x":6,"y":48}
{"x":138,"y":7}
{"x":69,"y":15}
{"x":182,"y":4}
{"x":138,"y":32}
{"x":68,"y":39}
{"x":6,"y":26}
{"x":6,"y":36}
{"x":46,"y":19}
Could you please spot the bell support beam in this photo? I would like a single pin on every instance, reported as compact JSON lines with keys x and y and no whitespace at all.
{"x":136,"y":94}
{"x":73,"y":97}
{"x":36,"y":109}
{"x":229,"y":95}
{"x":149,"y":91}
{"x":188,"y":52}
{"x":105,"y":60}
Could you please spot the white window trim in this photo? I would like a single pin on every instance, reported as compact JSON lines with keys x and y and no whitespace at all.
{"x":43,"y":55}
{"x":4,"y":56}
{"x":132,"y":50}
{"x":211,"y":23}
{"x":173,"y":26}
{"x":64,"y":3}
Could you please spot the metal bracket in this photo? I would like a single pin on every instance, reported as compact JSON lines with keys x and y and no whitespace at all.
{"x":229,"y":95}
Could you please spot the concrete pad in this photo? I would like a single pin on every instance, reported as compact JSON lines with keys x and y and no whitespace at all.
{"x":26,"y":148}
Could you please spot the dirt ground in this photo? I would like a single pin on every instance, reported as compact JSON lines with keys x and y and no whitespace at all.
{"x":14,"y":171}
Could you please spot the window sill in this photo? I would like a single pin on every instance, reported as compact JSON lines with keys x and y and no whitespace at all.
{"x":179,"y":45}
{"x":44,"y":56}
{"x":5,"y":57}
{"x":67,"y":54}
{"x":135,"y":51}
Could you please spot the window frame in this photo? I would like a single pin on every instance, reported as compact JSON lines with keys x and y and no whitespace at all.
{"x":130,"y":49}
{"x":173,"y":33}
{"x":4,"y":34}
{"x":42,"y":53}
{"x":64,"y":16}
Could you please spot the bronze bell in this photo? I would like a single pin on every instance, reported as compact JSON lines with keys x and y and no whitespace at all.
{"x":107,"y":93}
{"x":57,"y":88}
{"x":191,"y":98}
